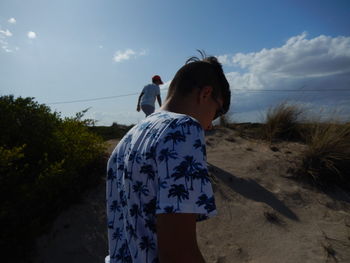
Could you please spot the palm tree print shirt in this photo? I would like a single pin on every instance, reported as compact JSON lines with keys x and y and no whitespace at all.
{"x":158,"y":167}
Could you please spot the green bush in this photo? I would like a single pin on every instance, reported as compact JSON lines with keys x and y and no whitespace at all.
{"x":115,"y":131}
{"x":46,"y":162}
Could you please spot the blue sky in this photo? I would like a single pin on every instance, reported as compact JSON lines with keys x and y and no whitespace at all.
{"x":70,"y":50}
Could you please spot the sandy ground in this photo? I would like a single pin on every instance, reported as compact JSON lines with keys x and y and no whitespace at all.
{"x":264,"y":215}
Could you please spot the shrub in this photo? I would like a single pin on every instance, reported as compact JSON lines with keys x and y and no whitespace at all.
{"x":115,"y":131}
{"x":46,"y":162}
{"x":327,"y":158}
{"x":282,"y":122}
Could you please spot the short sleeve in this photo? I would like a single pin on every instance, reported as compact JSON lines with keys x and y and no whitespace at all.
{"x":183,"y":182}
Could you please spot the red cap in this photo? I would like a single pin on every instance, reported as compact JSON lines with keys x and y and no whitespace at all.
{"x":156,"y":77}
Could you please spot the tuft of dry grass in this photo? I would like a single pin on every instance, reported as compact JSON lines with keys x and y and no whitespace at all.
{"x":248,"y":130}
{"x":282,"y":122}
{"x":327,"y":158}
{"x":224,"y":121}
{"x":272,"y":218}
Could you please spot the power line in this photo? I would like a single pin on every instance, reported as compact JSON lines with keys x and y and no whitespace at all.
{"x":93,"y":99}
{"x":292,"y":90}
{"x":244,"y":90}
{"x":100,"y":98}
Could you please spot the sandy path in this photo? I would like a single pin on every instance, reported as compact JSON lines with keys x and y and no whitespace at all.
{"x":264,"y":216}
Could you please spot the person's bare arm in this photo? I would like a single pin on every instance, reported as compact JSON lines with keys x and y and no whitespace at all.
{"x":177,"y":241}
{"x":138,"y":102}
{"x":159,"y":100}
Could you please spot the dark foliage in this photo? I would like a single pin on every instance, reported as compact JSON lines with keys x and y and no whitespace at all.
{"x":115,"y":131}
{"x":46,"y":162}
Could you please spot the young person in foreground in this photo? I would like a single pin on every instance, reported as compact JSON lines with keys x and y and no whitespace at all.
{"x":157,"y":182}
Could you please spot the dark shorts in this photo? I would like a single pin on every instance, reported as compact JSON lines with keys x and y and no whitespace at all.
{"x":147,"y":109}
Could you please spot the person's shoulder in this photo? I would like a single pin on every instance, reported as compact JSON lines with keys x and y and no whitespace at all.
{"x":175,"y":121}
{"x":126,"y":139}
{"x":189,"y":122}
{"x":168,"y":115}
{"x":151,"y":85}
{"x":154,"y":86}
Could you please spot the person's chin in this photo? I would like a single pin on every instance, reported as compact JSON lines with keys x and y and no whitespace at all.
{"x":208,"y":127}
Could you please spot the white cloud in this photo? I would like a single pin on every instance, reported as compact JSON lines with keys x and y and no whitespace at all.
{"x":6,"y":49}
{"x":31,"y":35}
{"x":120,"y":56}
{"x":166,"y":85}
{"x":100,"y":46}
{"x":5,"y":33}
{"x":126,"y":55}
{"x":224,"y":59}
{"x":321,"y":63}
{"x":143,"y":52}
{"x":12,"y":20}
{"x":300,"y":57}
{"x":5,"y":46}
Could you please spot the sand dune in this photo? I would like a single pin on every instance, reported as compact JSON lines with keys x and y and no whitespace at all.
{"x":264,"y":215}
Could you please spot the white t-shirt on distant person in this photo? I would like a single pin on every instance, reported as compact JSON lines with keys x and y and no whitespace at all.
{"x":150,"y":92}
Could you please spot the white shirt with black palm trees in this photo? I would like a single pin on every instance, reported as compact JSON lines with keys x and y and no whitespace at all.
{"x":158,"y":167}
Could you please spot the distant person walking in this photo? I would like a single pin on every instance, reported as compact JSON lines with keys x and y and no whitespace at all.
{"x":148,"y":96}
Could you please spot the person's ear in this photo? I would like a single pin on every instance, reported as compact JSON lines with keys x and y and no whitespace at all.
{"x":205,"y":93}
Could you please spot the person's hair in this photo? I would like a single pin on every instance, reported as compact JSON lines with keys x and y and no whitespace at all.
{"x":198,"y":73}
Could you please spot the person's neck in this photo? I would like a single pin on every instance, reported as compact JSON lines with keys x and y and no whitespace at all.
{"x":182,"y":106}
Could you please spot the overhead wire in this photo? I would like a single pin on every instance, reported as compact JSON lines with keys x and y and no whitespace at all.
{"x":243,"y":90}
